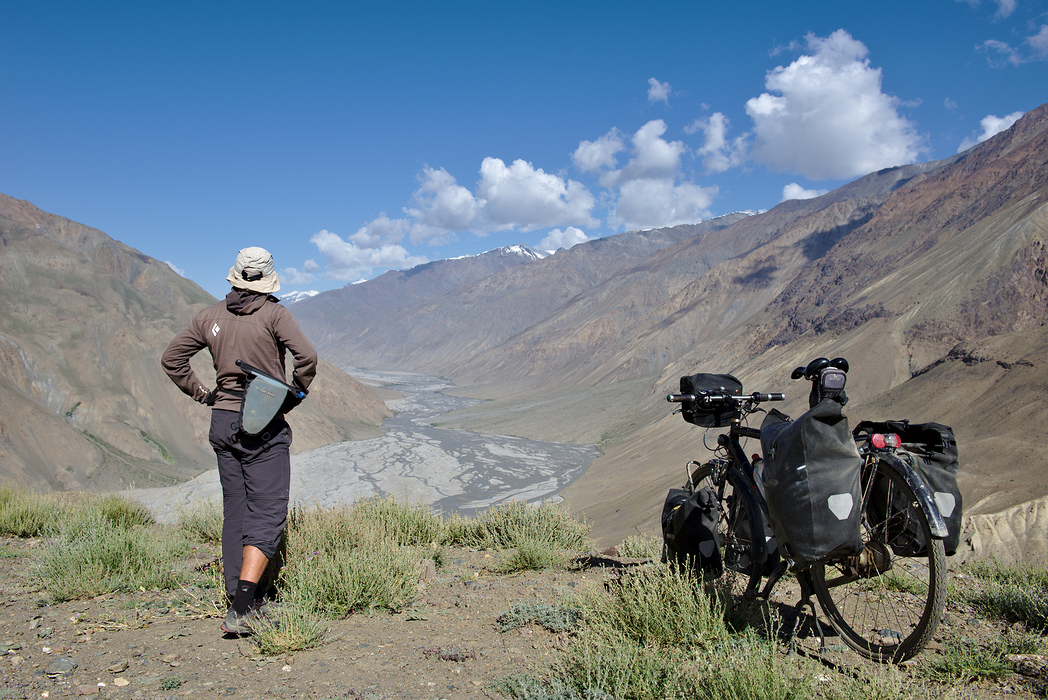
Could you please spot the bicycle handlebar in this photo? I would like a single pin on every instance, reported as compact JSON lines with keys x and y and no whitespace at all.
{"x":712,"y":398}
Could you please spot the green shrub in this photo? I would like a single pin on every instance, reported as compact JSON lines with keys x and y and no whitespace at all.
{"x":508,"y":525}
{"x":25,"y":514}
{"x":553,"y":619}
{"x":660,"y":605}
{"x":202,"y":521}
{"x":93,"y":556}
{"x":288,"y":628}
{"x":531,"y":556}
{"x":337,"y":582}
{"x":399,"y":523}
{"x":1014,"y":592}
{"x":641,"y":547}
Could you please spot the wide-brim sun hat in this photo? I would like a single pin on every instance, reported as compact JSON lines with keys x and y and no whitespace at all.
{"x":254,"y":271}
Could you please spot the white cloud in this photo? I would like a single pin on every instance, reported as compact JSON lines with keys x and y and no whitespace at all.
{"x":290,"y":275}
{"x":525,"y":197}
{"x":795,"y":191}
{"x":557,"y":239}
{"x":346,"y":260}
{"x":1039,"y":42}
{"x":1005,"y":7}
{"x":177,"y":270}
{"x":1004,"y":53}
{"x":380,"y":231}
{"x":991,"y":126}
{"x":653,"y":156}
{"x":658,"y":92}
{"x":653,"y":203}
{"x":593,"y":156}
{"x":717,"y":153}
{"x":310,"y":266}
{"x":824,"y":115}
{"x":441,"y":204}
{"x":1033,"y":48}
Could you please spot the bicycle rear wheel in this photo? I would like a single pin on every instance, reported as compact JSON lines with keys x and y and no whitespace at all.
{"x":886,"y":602}
{"x":740,"y":525}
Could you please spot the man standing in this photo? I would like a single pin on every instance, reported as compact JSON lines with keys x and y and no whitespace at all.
{"x":255,"y":470}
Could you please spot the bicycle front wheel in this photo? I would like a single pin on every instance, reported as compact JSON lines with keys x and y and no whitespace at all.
{"x":886,"y":602}
{"x":740,"y":525}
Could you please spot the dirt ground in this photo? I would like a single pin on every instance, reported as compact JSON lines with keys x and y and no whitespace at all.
{"x":152,"y":644}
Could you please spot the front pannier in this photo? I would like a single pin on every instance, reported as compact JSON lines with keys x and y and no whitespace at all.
{"x":931,"y":449}
{"x":689,"y":530}
{"x":713,"y":416}
{"x":811,"y":479}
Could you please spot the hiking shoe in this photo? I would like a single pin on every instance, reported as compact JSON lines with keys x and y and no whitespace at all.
{"x":240,"y":625}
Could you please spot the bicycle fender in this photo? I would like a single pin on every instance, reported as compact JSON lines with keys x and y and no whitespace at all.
{"x":923,"y":493}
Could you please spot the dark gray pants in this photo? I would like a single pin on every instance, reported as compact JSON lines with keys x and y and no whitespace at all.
{"x":255,"y":472}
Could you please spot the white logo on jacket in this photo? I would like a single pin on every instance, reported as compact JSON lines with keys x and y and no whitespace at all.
{"x":214,"y":330}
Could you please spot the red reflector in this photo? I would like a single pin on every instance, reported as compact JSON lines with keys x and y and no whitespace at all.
{"x":880,"y":441}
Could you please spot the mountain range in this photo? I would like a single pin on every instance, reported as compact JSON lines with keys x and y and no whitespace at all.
{"x":930,"y":278}
{"x":83,"y":322}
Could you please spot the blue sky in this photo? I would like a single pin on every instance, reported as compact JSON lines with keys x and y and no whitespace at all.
{"x":352,"y":138}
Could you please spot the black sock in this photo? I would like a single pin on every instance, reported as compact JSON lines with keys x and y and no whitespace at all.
{"x":245,"y":596}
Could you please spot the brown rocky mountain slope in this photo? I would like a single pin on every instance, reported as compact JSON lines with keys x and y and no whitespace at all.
{"x":446,"y":329}
{"x":930,"y":279}
{"x":938,"y":299}
{"x":83,"y":321}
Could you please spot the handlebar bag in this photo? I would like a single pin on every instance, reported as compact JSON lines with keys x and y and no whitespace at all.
{"x":811,"y":482}
{"x":689,"y":530}
{"x":714,"y":416}
{"x":931,"y":449}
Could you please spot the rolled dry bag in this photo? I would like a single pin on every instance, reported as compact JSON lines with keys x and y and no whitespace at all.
{"x":263,"y":397}
{"x":811,"y":483}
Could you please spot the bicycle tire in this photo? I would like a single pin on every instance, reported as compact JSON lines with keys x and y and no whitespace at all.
{"x":887,"y":606}
{"x":740,"y":525}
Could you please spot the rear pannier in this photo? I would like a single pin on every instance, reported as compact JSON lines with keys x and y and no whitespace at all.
{"x":715,"y":416}
{"x":811,"y":479}
{"x":932,"y":451}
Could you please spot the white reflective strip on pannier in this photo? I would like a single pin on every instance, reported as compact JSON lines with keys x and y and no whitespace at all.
{"x":841,"y":505}
{"x":946,"y":503}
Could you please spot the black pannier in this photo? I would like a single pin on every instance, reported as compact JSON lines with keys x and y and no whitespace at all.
{"x":714,"y":416}
{"x":931,"y":449}
{"x":811,"y":481}
{"x":689,"y":530}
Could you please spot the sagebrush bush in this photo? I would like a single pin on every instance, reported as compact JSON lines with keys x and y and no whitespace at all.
{"x":641,"y":547}
{"x":508,"y":525}
{"x":27,"y":514}
{"x":660,"y":605}
{"x":400,"y":523}
{"x":1013,"y":592}
{"x":335,"y":583}
{"x":287,"y":628}
{"x":202,"y":521}
{"x":94,"y":555}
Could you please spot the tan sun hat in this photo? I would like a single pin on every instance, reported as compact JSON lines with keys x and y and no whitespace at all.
{"x":254,"y":271}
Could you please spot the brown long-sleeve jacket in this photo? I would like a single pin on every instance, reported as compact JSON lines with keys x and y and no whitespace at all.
{"x":247,"y":326}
